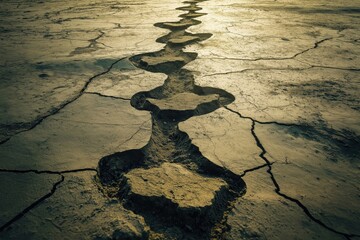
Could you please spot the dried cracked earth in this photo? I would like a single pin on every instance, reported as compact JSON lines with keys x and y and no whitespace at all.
{"x":153,"y":119}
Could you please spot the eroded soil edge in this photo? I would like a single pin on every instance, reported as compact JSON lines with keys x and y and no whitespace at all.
{"x":179,"y":192}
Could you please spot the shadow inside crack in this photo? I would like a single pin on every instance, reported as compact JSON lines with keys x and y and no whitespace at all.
{"x":180,"y":193}
{"x":165,"y":185}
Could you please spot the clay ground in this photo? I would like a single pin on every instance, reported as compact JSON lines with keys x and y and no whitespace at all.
{"x":153,"y":119}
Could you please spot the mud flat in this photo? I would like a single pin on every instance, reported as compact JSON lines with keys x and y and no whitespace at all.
{"x":181,"y":120}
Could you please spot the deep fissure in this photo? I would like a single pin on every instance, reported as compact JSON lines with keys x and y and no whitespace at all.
{"x":169,"y":149}
{"x":165,"y":127}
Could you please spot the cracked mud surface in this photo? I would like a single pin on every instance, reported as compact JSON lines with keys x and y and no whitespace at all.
{"x":179,"y":120}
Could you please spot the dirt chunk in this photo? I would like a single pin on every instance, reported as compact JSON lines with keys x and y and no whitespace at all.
{"x":183,"y":101}
{"x":175,"y":183}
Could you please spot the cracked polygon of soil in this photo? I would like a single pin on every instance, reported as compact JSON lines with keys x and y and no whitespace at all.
{"x":97,"y":84}
{"x":24,"y":127}
{"x":76,"y":137}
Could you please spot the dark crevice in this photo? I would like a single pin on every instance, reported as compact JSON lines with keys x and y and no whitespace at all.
{"x":254,"y":169}
{"x":148,"y":61}
{"x":177,"y":100}
{"x":277,"y":186}
{"x":167,"y":143}
{"x":33,"y":124}
{"x":33,"y":205}
{"x":142,"y":101}
{"x":161,"y":213}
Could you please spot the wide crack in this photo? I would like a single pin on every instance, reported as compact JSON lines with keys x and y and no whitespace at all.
{"x":179,"y":192}
{"x":170,"y":153}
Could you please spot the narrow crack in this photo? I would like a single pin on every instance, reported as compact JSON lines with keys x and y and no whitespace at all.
{"x":281,"y":69}
{"x":276,"y":185}
{"x":39,"y":120}
{"x":133,"y":135}
{"x":48,"y":171}
{"x":316,"y":45}
{"x":336,"y":68}
{"x":167,"y":143}
{"x":262,"y":122}
{"x":107,"y":96}
{"x":33,"y":205}
{"x":43,"y":198}
{"x":256,"y":69}
{"x":92,"y":47}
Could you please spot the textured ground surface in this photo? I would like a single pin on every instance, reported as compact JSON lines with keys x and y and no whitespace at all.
{"x":235,"y":120}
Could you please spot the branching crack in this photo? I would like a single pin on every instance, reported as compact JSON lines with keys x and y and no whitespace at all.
{"x":268,"y":164}
{"x":134,"y":134}
{"x":46,"y":196}
{"x":93,"y":45}
{"x":255,"y":168}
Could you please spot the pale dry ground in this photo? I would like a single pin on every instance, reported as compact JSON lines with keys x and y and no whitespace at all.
{"x":292,"y":63}
{"x":292,"y":131}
